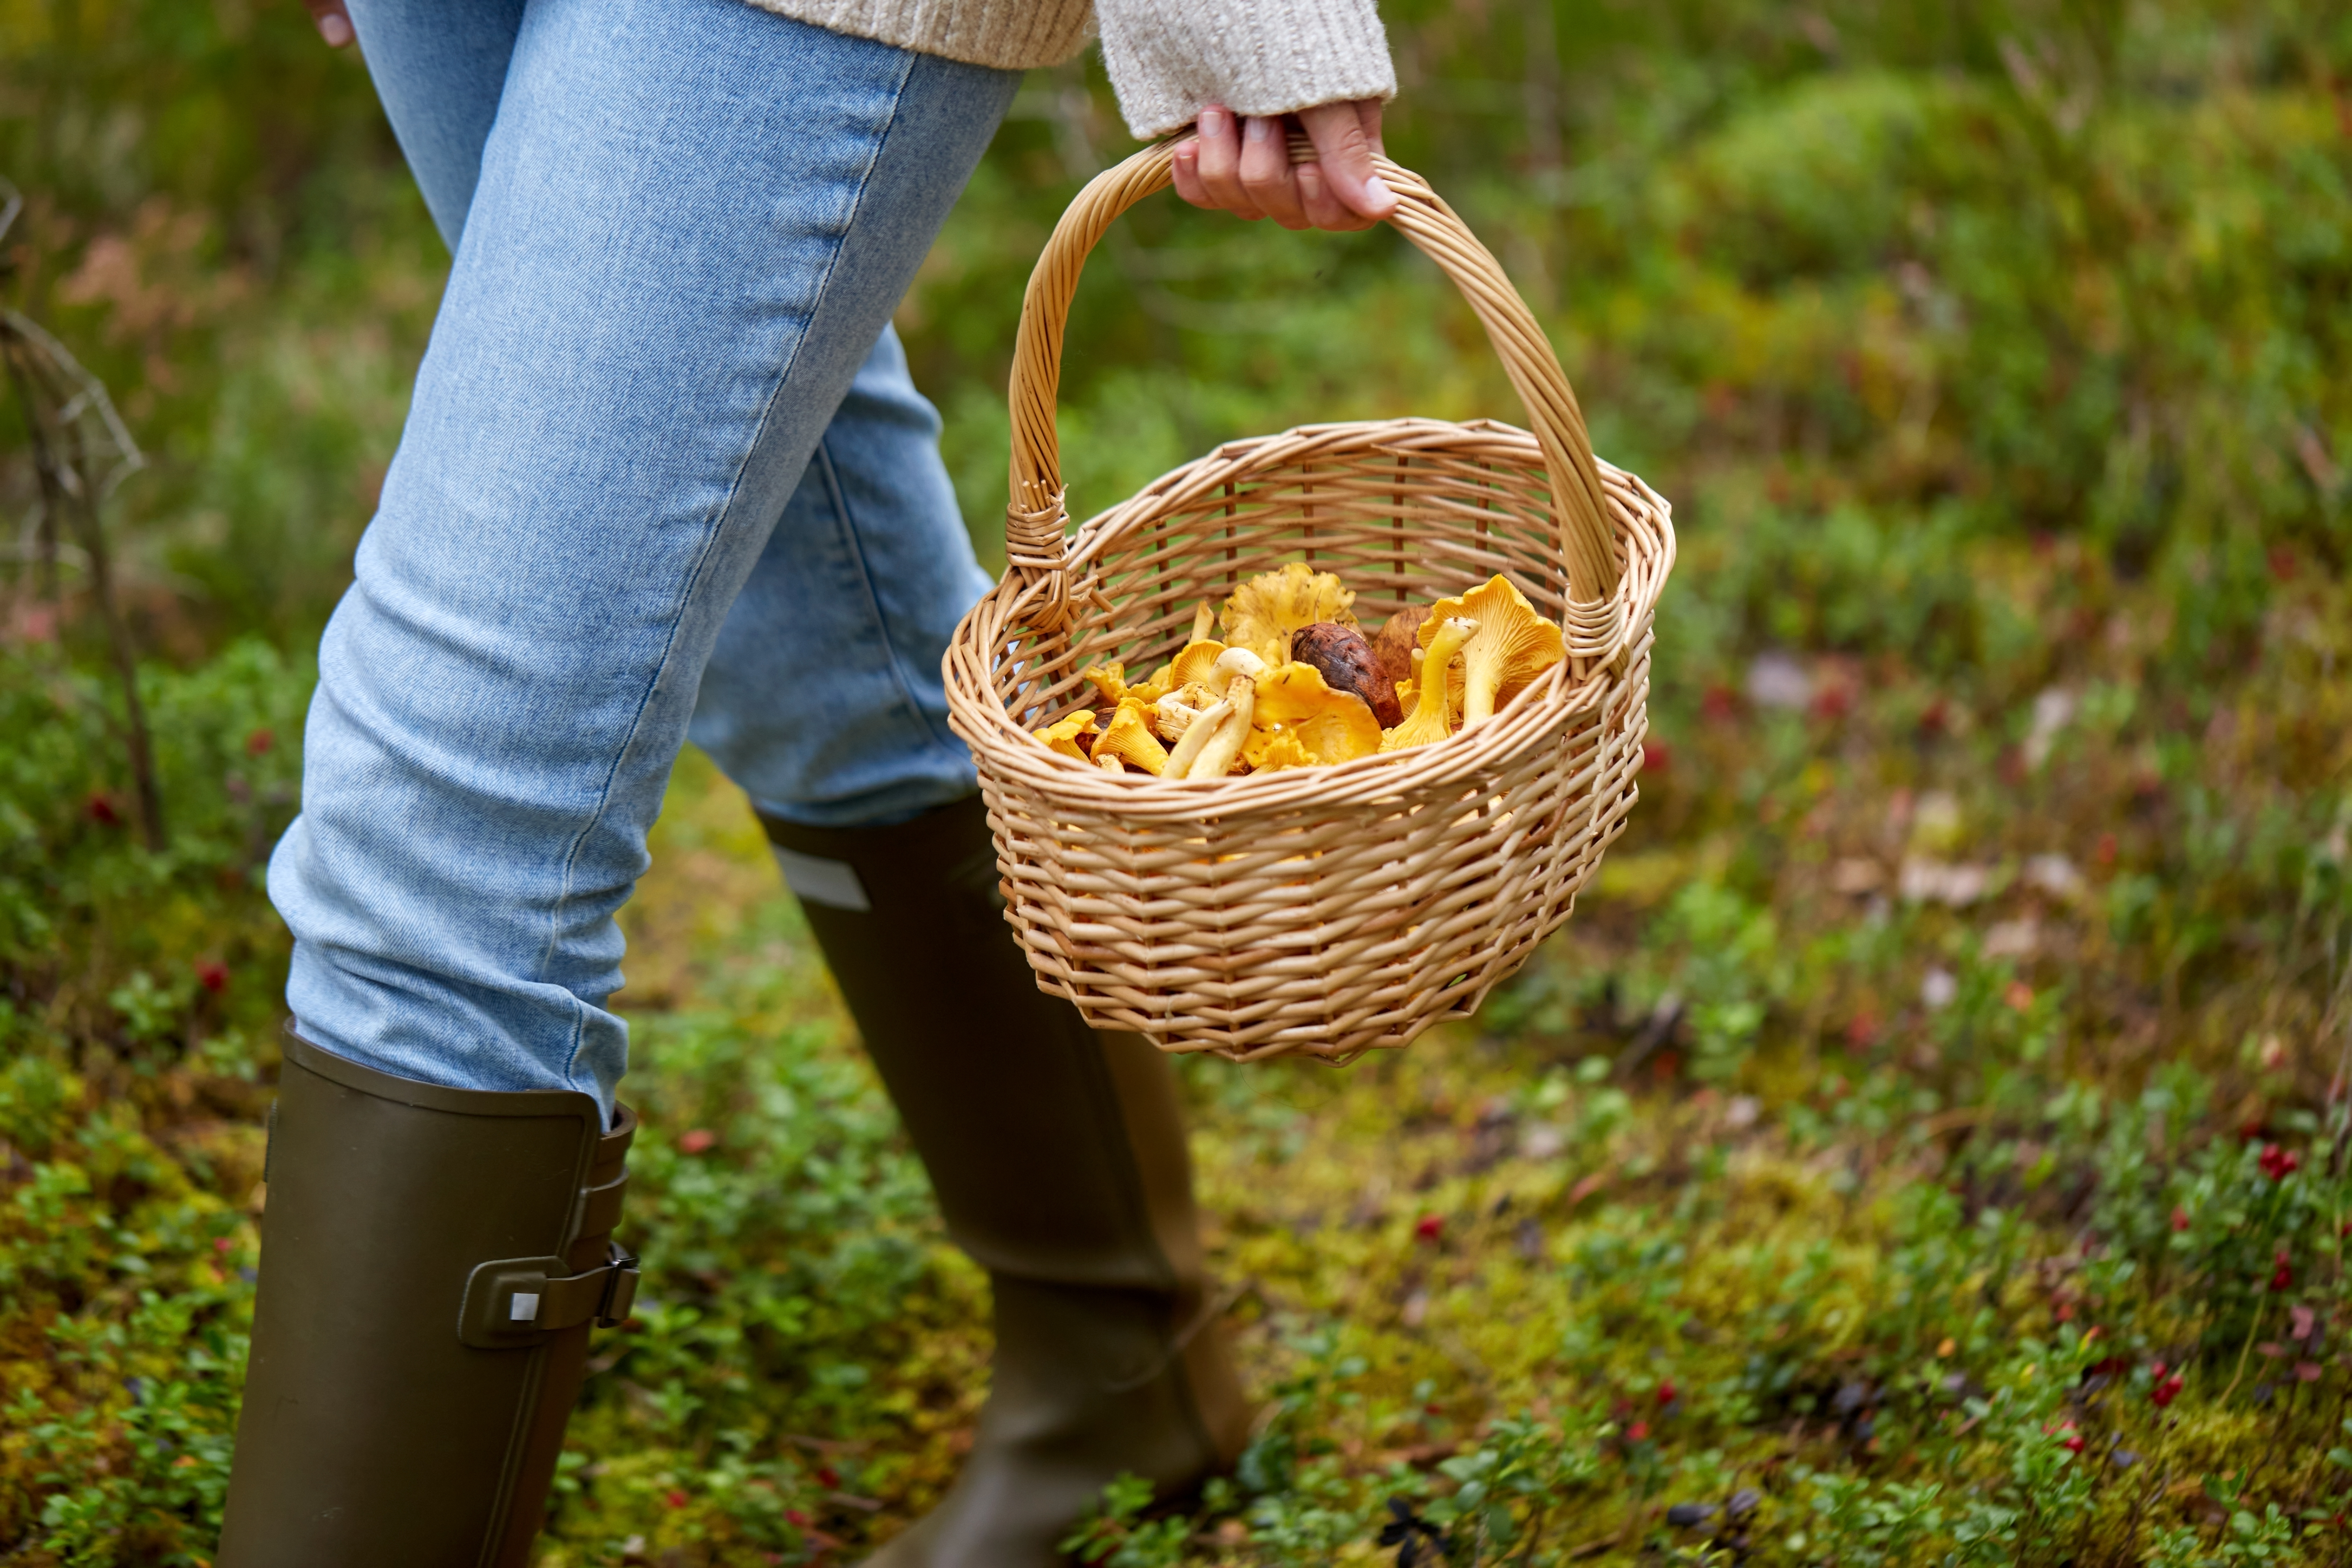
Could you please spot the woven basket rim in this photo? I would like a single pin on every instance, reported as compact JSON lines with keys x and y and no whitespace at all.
{"x":1530,"y":721}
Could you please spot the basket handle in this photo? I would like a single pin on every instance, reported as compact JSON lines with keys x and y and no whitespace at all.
{"x":1034,"y":520}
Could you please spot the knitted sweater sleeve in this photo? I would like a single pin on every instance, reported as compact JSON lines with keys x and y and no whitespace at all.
{"x":1167,"y":57}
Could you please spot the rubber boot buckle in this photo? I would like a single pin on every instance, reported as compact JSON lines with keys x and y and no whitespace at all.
{"x":620,"y":1290}
{"x":514,"y":1303}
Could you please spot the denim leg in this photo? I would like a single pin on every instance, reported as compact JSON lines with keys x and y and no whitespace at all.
{"x":692,"y":220}
{"x":824,"y":697}
{"x":439,"y":67}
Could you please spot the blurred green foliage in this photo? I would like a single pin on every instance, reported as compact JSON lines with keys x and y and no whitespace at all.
{"x":1928,"y":1143}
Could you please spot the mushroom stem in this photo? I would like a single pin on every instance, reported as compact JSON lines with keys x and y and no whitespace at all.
{"x":1216,"y":759}
{"x":1198,"y":733}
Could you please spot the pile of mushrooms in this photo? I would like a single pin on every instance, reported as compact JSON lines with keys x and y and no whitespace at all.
{"x":1294,"y":682}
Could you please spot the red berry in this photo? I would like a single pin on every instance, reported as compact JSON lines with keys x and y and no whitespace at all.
{"x":1666,"y":1392}
{"x":698,"y":1140}
{"x":676,"y":1499}
{"x":2072,"y":1445}
{"x":1638,"y":1432}
{"x":212,"y":975}
{"x":100,"y":808}
{"x":826,"y":1476}
{"x":796,"y":1519}
{"x":2179,"y":1217}
{"x":1430,"y":1228}
{"x":2279,"y":1164}
{"x":259,"y":741}
{"x":1657,"y":757}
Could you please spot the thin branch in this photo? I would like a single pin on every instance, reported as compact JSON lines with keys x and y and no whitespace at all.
{"x":81,"y":450}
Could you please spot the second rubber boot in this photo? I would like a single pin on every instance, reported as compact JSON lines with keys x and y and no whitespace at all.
{"x":1059,"y":1159}
{"x":431,"y":1261}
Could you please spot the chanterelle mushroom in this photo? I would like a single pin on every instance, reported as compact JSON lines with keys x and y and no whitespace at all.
{"x":1272,"y":754}
{"x":1192,"y":666}
{"x":1512,"y":645}
{"x":1428,"y":722}
{"x":1329,"y":726}
{"x":1061,"y":737}
{"x":1109,"y":681}
{"x":1266,"y":609}
{"x":1130,"y":738}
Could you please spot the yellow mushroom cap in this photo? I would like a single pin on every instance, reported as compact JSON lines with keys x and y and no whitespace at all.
{"x":1109,"y":680}
{"x":1512,"y":645}
{"x":1330,"y":726}
{"x":1266,"y":609}
{"x":1192,"y":666}
{"x":1271,"y":752}
{"x":1130,"y":738}
{"x":1061,"y":737}
{"x":1429,"y":719}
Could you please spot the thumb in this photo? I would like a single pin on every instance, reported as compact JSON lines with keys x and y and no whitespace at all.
{"x":1345,"y":149}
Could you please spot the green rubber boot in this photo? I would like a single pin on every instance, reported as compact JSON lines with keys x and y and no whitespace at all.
{"x":1059,"y":1159}
{"x":431,"y":1261}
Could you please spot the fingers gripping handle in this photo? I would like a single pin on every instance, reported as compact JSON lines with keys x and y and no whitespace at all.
{"x":1034,"y":519}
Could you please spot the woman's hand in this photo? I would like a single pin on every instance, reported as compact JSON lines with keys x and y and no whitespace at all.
{"x":1244,"y":168}
{"x":334,"y":23}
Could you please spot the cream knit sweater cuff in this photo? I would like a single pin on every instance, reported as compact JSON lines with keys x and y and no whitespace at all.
{"x":1166,"y":58}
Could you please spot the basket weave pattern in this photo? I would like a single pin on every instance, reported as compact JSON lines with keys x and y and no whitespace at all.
{"x":1328,"y":910}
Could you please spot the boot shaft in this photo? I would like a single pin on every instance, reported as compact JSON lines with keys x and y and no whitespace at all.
{"x":431,"y":1261}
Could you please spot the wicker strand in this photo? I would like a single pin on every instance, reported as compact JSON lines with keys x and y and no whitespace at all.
{"x":1033,"y":548}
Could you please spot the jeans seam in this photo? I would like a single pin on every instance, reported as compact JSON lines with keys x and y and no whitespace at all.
{"x":855,"y":544}
{"x":713,"y":533}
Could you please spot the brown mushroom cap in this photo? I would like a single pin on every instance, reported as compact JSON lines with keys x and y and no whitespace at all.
{"x":1347,"y":663}
{"x":1392,"y":649}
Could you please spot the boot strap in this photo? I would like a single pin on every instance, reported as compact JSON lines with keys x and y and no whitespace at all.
{"x":516,"y":1302}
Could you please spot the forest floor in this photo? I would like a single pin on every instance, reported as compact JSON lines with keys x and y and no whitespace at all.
{"x":1928,"y":1143}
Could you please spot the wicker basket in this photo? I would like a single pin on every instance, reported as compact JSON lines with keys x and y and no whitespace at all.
{"x":1323,"y":910}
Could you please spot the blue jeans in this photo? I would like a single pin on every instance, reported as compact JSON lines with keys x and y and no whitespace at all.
{"x":663,"y":474}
